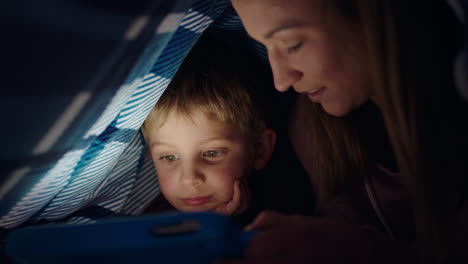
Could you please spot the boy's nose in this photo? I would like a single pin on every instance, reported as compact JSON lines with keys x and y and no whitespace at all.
{"x":284,"y":75}
{"x":191,"y":176}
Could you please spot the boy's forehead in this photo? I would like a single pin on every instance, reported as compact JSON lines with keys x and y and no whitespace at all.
{"x":197,"y":125}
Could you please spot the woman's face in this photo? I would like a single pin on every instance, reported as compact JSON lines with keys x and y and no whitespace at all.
{"x":312,"y":49}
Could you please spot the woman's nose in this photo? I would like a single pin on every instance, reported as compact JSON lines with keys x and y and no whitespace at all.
{"x":284,"y":75}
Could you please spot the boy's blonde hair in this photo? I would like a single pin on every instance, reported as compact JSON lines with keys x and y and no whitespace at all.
{"x":220,"y":80}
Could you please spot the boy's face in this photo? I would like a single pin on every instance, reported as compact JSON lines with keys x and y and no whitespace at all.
{"x":198,"y":161}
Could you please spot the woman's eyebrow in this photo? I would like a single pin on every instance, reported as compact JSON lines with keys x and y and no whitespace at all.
{"x":275,"y":30}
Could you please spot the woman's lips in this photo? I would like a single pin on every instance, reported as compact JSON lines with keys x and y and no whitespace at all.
{"x":315,"y":95}
{"x":196,"y":201}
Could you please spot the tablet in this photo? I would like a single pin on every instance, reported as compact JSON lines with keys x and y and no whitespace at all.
{"x":164,"y":238}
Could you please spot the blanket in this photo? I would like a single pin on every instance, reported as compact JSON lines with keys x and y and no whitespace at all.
{"x":73,"y":151}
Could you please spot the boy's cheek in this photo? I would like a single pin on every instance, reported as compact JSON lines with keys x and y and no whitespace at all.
{"x":226,"y":179}
{"x":166,"y":183}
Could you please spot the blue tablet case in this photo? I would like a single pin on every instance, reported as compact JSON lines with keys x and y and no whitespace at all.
{"x":167,"y":238}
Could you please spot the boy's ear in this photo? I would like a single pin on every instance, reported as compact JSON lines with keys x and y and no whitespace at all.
{"x":265,"y":149}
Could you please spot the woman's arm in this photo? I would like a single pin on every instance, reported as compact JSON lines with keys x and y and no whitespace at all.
{"x":299,"y":239}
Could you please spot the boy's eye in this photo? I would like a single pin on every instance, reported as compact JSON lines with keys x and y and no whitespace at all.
{"x":211,"y":153}
{"x":169,"y":158}
{"x":295,"y":47}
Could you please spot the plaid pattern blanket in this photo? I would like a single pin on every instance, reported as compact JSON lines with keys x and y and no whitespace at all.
{"x":81,"y":156}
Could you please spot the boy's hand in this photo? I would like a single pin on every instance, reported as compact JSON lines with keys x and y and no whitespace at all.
{"x":239,"y":202}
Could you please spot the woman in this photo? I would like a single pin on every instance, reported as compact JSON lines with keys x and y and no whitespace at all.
{"x":377,"y":125}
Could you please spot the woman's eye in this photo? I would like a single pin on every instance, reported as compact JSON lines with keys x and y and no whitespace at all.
{"x":169,"y":158}
{"x":295,"y":47}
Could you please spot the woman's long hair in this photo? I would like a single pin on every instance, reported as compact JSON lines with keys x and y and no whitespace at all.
{"x":412,"y":47}
{"x":344,"y":149}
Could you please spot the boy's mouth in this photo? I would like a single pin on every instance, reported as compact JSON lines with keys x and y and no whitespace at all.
{"x":197,"y":200}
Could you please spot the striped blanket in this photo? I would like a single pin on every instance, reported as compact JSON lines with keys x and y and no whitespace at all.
{"x":73,"y":151}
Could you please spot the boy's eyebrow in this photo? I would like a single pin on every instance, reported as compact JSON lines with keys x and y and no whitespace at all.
{"x":155,"y":143}
{"x":216,"y":138}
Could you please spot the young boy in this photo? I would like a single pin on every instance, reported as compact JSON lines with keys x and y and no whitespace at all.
{"x":208,"y":132}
